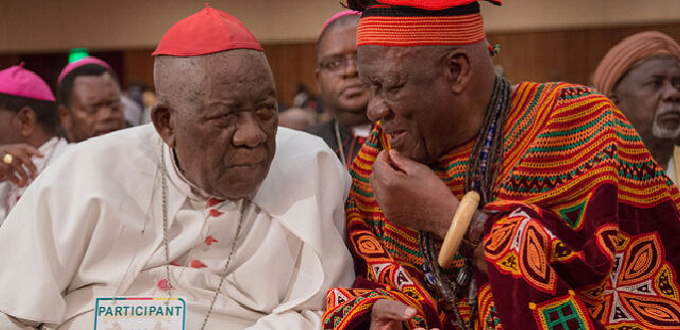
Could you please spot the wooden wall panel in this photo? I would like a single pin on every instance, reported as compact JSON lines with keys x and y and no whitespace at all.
{"x":292,"y":64}
{"x":58,"y":25}
{"x":570,"y":55}
{"x":138,"y":66}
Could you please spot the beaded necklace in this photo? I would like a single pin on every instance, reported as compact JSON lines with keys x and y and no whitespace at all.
{"x":482,"y":171}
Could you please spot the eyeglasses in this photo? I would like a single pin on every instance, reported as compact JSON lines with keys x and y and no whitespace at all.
{"x":338,"y":62}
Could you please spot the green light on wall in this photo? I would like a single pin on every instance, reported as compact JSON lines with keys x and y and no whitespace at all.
{"x":77,"y":54}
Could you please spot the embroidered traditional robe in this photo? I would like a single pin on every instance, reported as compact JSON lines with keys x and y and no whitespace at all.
{"x":583,"y":232}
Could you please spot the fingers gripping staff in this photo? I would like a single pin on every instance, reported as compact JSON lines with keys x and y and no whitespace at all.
{"x":389,"y":314}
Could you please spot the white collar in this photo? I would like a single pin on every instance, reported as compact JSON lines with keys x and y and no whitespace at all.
{"x":362,"y":130}
{"x":178,"y":179}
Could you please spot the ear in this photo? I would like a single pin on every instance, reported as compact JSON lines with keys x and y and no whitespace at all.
{"x":457,"y":68}
{"x":162,"y":117}
{"x":27,"y":120}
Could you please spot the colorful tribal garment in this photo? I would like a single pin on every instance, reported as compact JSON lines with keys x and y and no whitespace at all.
{"x":584,"y":233}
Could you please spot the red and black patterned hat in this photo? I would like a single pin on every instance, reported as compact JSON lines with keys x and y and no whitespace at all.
{"x":419,"y":22}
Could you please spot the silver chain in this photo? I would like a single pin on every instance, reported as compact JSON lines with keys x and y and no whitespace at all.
{"x":231,"y":253}
{"x":244,"y":205}
{"x":164,"y":189}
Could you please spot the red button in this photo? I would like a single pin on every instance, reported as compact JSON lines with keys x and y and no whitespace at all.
{"x":215,"y":213}
{"x":163,"y":285}
{"x":209,"y":240}
{"x":197,"y":264}
{"x":214,"y":201}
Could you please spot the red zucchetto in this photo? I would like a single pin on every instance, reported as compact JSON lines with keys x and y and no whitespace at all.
{"x":208,"y":31}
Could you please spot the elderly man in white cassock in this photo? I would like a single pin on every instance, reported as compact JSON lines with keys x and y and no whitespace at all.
{"x":209,"y":219}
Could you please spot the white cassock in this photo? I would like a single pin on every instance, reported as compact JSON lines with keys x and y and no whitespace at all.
{"x":10,"y":193}
{"x":91,"y":226}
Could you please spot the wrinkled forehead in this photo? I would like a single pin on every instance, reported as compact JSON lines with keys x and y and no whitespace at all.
{"x":198,"y":75}
{"x":658,"y":60}
{"x":94,"y":88}
{"x":338,"y":40}
{"x":378,"y":59}
{"x":655,"y":65}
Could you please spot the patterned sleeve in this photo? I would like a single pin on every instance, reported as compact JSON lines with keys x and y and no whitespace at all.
{"x":379,"y":276}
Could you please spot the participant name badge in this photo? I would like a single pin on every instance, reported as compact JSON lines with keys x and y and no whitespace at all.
{"x":139,"y":313}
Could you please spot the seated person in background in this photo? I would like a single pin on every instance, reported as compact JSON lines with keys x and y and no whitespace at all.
{"x":28,"y":133}
{"x":211,"y":204}
{"x":342,"y":93}
{"x":641,"y":75}
{"x":132,"y":112}
{"x":89,"y":100}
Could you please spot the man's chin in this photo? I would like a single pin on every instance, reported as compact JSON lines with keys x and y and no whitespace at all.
{"x":354,"y":105}
{"x":665,"y":132}
{"x":105,"y":131}
{"x":241,"y":183}
{"x":237,"y":192}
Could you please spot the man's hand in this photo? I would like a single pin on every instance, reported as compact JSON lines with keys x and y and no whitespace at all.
{"x":389,"y":315}
{"x":21,"y":170}
{"x":410,"y":194}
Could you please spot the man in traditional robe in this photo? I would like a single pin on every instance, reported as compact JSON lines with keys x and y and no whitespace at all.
{"x":577,"y":225}
{"x":641,"y":75}
{"x":28,"y":133}
{"x":343,"y":95}
{"x":209,"y":205}
{"x":89,"y":100}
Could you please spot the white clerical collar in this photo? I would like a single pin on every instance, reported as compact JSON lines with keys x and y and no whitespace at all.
{"x":49,"y":145}
{"x":362,"y":130}
{"x":48,"y":149}
{"x":177,"y":178}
